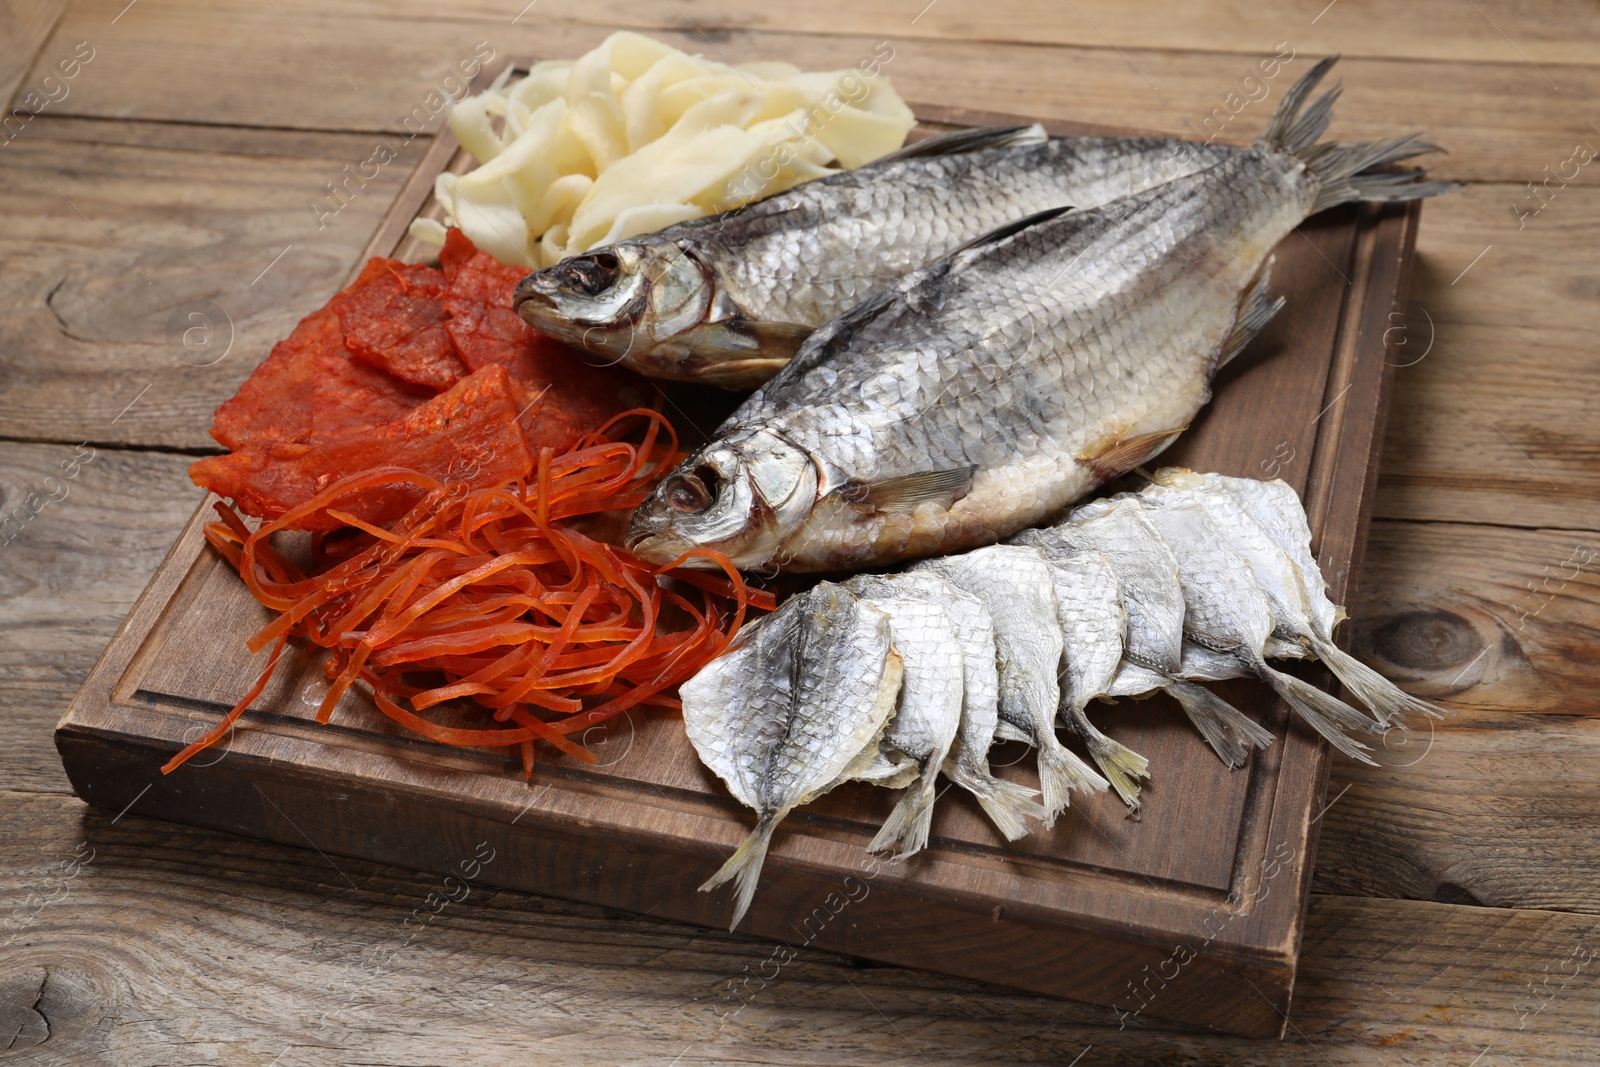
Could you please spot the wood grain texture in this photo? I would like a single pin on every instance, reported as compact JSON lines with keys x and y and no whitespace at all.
{"x":110,"y":249}
{"x":68,"y":576}
{"x":1546,"y":32}
{"x":1498,"y":384}
{"x":140,"y":936}
{"x":1484,"y":807}
{"x":1490,"y":620}
{"x":25,"y":25}
{"x":1501,"y":120}
{"x":1381,"y":981}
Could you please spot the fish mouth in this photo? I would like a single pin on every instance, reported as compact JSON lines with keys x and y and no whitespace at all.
{"x":534,"y":295}
{"x":661,"y":549}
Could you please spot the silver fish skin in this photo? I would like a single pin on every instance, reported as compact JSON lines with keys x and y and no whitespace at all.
{"x":1093,"y":622}
{"x":789,"y":710}
{"x":1267,"y":525}
{"x":926,"y":717}
{"x":1277,"y":576}
{"x":1007,"y":804}
{"x":1152,"y":598}
{"x":1226,"y":611}
{"x":1017,"y":588}
{"x":984,"y":393}
{"x":727,"y":300}
{"x":1147,"y":574}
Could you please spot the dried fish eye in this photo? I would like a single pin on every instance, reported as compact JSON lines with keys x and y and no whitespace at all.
{"x":688,"y":492}
{"x":593,"y":274}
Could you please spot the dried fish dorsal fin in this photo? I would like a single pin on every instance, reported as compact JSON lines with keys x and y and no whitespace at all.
{"x":909,"y":491}
{"x":977,"y":139}
{"x":1115,"y":456}
{"x":1256,"y":309}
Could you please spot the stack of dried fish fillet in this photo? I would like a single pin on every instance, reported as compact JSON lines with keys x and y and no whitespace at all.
{"x":892,"y":679}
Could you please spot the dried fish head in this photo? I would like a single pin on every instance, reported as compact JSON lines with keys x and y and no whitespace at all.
{"x":630,"y":302}
{"x":741,"y":495}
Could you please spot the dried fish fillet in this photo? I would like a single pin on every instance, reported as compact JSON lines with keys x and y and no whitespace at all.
{"x":927,"y":713}
{"x":1006,"y":803}
{"x":788,"y":711}
{"x":1016,"y":585}
{"x":1265,"y":523}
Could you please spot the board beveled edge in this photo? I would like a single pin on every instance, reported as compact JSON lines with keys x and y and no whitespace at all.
{"x":270,"y":799}
{"x":1222,"y":982}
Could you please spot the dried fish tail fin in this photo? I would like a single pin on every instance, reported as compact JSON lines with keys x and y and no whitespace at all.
{"x":1060,"y":772}
{"x":744,"y":866}
{"x":1007,"y":804}
{"x":1292,"y":130}
{"x":909,"y":824}
{"x":1347,"y":172}
{"x":1122,"y":766}
{"x":1386,"y":700}
{"x":1228,"y":731}
{"x":1327,"y":715}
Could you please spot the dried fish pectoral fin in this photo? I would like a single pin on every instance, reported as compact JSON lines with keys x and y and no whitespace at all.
{"x":744,"y":867}
{"x":909,"y":492}
{"x":738,"y":375}
{"x":1005,"y":731}
{"x":741,"y":338}
{"x":1386,"y":700}
{"x":1117,"y":455}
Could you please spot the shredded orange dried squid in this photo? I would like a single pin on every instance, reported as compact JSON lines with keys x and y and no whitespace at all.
{"x":490,"y":596}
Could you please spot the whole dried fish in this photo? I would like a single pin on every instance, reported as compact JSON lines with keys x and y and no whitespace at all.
{"x":728,"y":300}
{"x":982,"y":394}
{"x":795,"y":706}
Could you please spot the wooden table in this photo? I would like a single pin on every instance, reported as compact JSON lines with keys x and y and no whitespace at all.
{"x":159,"y":208}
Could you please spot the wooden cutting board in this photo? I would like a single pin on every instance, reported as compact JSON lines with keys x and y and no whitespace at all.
{"x":1191,"y":912}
